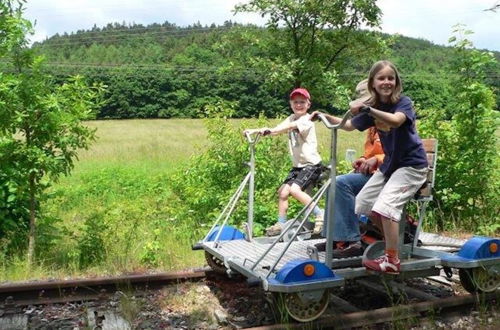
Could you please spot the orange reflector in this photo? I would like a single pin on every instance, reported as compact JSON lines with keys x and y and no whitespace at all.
{"x":493,"y":247}
{"x":309,"y":270}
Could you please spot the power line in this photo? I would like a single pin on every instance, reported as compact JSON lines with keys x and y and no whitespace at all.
{"x":119,"y":69}
{"x":108,"y":37}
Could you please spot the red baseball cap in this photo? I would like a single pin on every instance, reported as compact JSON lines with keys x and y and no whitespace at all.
{"x":300,"y":91}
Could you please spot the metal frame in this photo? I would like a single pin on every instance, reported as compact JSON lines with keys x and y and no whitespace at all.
{"x":419,"y":261}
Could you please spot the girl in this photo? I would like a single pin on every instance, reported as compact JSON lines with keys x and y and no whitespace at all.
{"x":404,"y":169}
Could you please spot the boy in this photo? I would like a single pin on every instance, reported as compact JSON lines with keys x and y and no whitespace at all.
{"x":305,"y":158}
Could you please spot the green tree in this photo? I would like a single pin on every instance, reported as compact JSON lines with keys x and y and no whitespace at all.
{"x":12,"y":26}
{"x":309,"y":37}
{"x":41,"y":130}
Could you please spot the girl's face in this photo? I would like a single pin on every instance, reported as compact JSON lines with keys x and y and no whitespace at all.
{"x":384,"y":83}
{"x":300,"y":105}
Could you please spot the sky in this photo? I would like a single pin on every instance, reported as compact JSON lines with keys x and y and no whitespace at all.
{"x":432,"y":20}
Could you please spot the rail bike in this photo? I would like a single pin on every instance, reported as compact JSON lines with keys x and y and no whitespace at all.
{"x":290,"y":266}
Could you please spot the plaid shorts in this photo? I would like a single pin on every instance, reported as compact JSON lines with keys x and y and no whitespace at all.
{"x":304,"y":176}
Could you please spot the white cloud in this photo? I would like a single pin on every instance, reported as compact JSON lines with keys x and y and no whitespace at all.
{"x":434,"y":20}
{"x":427,"y":19}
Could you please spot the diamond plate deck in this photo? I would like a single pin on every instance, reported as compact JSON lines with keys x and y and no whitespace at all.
{"x":247,"y":253}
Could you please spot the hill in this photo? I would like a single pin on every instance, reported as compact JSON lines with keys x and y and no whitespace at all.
{"x":164,"y":71}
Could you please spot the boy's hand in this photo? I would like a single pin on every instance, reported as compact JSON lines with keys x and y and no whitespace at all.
{"x":315,"y":115}
{"x":265,"y":131}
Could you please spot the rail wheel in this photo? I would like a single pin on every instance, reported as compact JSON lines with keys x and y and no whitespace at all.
{"x":479,"y":279}
{"x":306,"y":306}
{"x":215,"y":263}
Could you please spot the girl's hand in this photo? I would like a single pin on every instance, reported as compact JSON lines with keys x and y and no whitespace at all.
{"x":355,"y":106}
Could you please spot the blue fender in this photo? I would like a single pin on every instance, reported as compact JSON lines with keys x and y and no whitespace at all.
{"x":479,"y":247}
{"x":476,"y":248}
{"x":294,"y":271}
{"x":228,"y":233}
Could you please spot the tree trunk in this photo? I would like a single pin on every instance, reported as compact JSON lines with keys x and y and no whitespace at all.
{"x":31,"y":238}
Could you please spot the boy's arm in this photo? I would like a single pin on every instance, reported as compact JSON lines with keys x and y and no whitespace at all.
{"x":281,"y":128}
{"x":334,"y":120}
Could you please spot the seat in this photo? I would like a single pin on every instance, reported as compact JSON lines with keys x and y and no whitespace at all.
{"x":424,"y":195}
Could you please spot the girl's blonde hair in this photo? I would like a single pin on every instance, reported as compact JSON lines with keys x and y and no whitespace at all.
{"x":375,"y":100}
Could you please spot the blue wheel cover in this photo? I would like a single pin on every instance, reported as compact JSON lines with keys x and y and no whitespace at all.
{"x":479,"y":248}
{"x":228,"y":234}
{"x":293,"y":271}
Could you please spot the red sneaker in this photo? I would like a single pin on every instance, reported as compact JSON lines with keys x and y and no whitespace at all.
{"x":384,"y":264}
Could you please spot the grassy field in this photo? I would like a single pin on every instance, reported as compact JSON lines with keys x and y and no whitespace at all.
{"x":114,"y":209}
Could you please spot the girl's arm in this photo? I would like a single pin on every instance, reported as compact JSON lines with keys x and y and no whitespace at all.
{"x":394,"y":120}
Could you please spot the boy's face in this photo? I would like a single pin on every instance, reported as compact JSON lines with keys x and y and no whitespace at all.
{"x":299,"y":105}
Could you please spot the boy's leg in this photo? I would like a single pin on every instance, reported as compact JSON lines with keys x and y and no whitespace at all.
{"x":305,"y":177}
{"x":299,"y":194}
{"x":283,"y":194}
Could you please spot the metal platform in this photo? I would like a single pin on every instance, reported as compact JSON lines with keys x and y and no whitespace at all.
{"x":245,"y":253}
{"x":440,"y":243}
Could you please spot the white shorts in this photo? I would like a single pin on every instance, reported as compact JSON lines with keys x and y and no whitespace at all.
{"x":388,"y":198}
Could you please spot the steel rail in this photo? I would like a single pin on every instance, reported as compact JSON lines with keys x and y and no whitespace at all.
{"x":441,"y":306}
{"x":43,"y":292}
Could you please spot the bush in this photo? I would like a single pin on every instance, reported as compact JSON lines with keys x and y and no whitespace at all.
{"x":467,"y":183}
{"x":205,"y":185}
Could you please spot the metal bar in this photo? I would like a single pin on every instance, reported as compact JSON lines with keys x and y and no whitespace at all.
{"x":330,"y":200}
{"x":289,"y":243}
{"x":225,"y":209}
{"x":307,"y":213}
{"x":235,"y":200}
{"x":251,"y":189}
{"x":330,"y":197}
{"x":317,"y":195}
{"x":421,"y":215}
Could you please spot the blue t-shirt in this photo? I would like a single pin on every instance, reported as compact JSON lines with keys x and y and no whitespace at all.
{"x":402,"y":145}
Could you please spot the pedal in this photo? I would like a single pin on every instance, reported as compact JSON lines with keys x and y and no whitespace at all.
{"x":312,"y":252}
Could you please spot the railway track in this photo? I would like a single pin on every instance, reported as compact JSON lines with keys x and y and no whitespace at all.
{"x":343,"y":311}
{"x":63,"y":291}
{"x":405,"y":314}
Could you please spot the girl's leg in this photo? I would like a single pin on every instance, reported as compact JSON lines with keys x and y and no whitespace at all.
{"x":376,"y":219}
{"x":400,"y":188}
{"x":391,"y":235}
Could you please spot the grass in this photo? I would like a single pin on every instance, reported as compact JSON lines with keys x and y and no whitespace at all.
{"x":114,"y":207}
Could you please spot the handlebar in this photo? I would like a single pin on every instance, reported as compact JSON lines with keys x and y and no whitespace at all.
{"x":254,"y":140}
{"x":327,"y":123}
